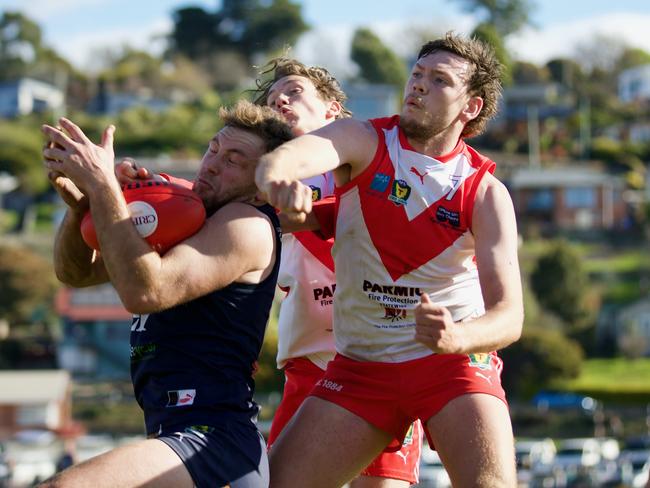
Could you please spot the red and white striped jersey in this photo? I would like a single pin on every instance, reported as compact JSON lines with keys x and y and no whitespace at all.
{"x":403,"y":228}
{"x":307,"y":275}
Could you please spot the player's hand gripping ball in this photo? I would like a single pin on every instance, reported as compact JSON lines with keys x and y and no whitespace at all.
{"x":163,"y":213}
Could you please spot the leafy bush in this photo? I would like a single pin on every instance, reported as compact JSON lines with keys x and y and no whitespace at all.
{"x":538,"y":358}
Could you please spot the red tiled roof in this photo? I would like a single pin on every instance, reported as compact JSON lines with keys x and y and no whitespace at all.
{"x":98,"y":303}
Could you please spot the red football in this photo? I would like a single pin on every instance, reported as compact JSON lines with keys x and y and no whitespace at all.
{"x":163,"y":213}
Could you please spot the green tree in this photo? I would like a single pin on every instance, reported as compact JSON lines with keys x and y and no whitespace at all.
{"x":378,"y":63}
{"x":194,"y":32}
{"x":632,"y":57}
{"x":490,"y":35}
{"x":20,"y":43}
{"x":560,"y":284}
{"x":23,"y":53}
{"x":538,"y":358}
{"x":565,"y":71}
{"x":20,"y":155}
{"x":27,"y":283}
{"x":226,"y":42}
{"x":507,"y":16}
{"x":525,"y":73}
{"x":132,"y":69}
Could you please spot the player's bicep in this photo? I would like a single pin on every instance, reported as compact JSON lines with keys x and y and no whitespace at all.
{"x":223,"y":251}
{"x":495,"y":231}
{"x":353,"y":143}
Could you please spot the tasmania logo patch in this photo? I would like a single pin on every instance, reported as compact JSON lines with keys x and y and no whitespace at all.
{"x":480,"y":360}
{"x":316,"y":193}
{"x":400,"y":192}
{"x":180,"y":398}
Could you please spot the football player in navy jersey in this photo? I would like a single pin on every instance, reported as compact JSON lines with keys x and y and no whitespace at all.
{"x":201,"y":308}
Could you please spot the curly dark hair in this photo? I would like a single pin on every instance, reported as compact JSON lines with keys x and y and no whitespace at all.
{"x":485,"y":78}
{"x":326,"y":85}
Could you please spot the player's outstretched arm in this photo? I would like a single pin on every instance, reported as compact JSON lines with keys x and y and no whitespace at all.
{"x":345,"y":143}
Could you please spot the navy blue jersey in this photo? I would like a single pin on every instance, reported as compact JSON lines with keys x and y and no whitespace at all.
{"x":198,"y":356}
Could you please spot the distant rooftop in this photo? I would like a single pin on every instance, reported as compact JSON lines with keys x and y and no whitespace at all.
{"x":90,"y":304}
{"x":570,"y":176}
{"x":33,"y":386}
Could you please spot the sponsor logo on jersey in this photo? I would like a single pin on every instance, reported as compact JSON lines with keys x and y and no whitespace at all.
{"x":400,"y":291}
{"x":325,"y":294}
{"x":400,"y":192}
{"x":142,"y":352}
{"x":416,"y":172}
{"x":394,"y":313}
{"x":316,"y":193}
{"x":444,"y":215}
{"x":380,"y":182}
{"x":480,"y":360}
{"x":199,"y":430}
{"x":180,"y":398}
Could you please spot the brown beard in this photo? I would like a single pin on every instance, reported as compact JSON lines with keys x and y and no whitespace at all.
{"x":417,"y":131}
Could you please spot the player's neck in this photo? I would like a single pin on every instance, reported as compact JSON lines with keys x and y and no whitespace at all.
{"x":436,"y":146}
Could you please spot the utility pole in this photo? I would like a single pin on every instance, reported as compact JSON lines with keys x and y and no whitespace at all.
{"x":584,"y":117}
{"x":533,"y":136}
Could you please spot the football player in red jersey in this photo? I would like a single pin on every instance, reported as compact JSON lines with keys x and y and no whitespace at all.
{"x":201,"y":308}
{"x":309,"y":98}
{"x":421,"y":226}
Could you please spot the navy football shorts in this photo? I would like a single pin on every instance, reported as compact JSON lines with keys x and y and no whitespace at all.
{"x":231,"y":452}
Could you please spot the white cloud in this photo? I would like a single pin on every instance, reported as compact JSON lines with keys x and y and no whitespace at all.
{"x":563,"y":39}
{"x":83,"y":49}
{"x":45,"y":10}
{"x":330,"y":45}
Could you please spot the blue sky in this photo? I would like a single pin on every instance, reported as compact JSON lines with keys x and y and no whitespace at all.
{"x":79,"y":28}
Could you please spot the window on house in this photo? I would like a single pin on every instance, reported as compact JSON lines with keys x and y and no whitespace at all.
{"x":39,"y":105}
{"x":31,"y":415}
{"x":541,"y":199}
{"x":118,"y":331}
{"x":580,"y":197}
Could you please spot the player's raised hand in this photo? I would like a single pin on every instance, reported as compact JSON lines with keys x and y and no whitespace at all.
{"x":435,"y":327}
{"x":70,"y":152}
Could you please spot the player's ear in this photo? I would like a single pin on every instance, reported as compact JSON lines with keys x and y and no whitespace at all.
{"x":472,"y":108}
{"x":334,"y":109}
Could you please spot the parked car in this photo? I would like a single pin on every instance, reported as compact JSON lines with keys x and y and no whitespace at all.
{"x":552,"y":400}
{"x":534,"y":459}
{"x":5,"y":467}
{"x":640,"y":479}
{"x":578,"y":452}
{"x":535,"y":453}
{"x":634,"y":459}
